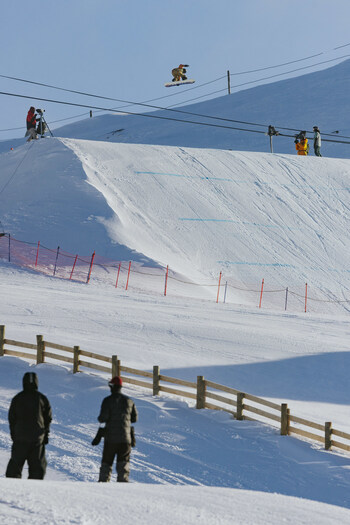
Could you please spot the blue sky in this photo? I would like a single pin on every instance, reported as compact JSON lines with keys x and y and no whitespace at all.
{"x":126,"y":49}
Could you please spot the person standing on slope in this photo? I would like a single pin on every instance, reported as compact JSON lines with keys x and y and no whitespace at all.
{"x":179,"y":73}
{"x":302,"y":146}
{"x":118,"y":412}
{"x":317,"y":141}
{"x":30,"y":418}
{"x":31,"y":125}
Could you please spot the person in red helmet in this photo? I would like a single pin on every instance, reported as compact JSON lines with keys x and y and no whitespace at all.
{"x":31,"y":124}
{"x":118,"y":412}
{"x":179,"y":73}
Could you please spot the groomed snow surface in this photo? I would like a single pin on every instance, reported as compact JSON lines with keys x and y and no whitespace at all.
{"x":189,"y":465}
{"x":249,"y":215}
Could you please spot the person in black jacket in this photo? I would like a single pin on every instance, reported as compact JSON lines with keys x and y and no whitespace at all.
{"x":29,"y":417}
{"x":118,"y":412}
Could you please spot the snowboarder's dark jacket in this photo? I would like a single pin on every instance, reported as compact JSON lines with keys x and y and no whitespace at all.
{"x":118,"y":412}
{"x":30,"y":413}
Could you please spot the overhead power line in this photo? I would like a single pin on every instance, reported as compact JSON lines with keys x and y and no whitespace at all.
{"x":260,"y":80}
{"x":131,"y":103}
{"x":144,"y":104}
{"x":171,"y":108}
{"x":147,"y":115}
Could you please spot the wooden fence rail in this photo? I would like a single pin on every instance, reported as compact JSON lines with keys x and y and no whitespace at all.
{"x":206,"y":394}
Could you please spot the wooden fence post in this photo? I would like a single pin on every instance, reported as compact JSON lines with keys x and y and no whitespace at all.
{"x":328,"y":435}
{"x":156,"y":386}
{"x":2,"y":340}
{"x":201,"y":389}
{"x":240,"y":405}
{"x":285,"y":419}
{"x":115,"y":366}
{"x":40,"y":349}
{"x":76,"y":359}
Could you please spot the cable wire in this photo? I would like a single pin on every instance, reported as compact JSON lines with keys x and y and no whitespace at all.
{"x":262,"y":79}
{"x":16,"y":169}
{"x":132,"y":103}
{"x":147,"y":115}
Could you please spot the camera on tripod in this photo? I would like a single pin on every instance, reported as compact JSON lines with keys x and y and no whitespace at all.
{"x":42,"y":126}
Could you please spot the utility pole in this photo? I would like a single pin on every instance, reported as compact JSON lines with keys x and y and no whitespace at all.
{"x":228,"y":83}
{"x":271,"y":132}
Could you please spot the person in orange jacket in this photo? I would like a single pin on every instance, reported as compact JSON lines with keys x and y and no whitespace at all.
{"x":179,"y":73}
{"x":302,"y":145}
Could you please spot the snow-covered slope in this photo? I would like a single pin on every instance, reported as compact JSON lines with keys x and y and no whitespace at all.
{"x":176,"y":445}
{"x":250,"y":215}
{"x":79,"y":503}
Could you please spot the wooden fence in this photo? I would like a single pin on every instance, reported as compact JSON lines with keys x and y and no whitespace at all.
{"x":206,"y":394}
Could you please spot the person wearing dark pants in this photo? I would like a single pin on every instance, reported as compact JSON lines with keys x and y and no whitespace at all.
{"x":317,"y":141}
{"x":122,"y":451}
{"x":117,"y":412}
{"x":29,"y":417}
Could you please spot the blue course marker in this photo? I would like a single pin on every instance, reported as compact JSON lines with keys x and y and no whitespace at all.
{"x":156,"y":173}
{"x":178,"y":175}
{"x":245,"y":263}
{"x":243,"y":223}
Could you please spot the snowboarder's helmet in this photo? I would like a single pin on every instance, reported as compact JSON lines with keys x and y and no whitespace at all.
{"x":32,"y":109}
{"x":115,"y":381}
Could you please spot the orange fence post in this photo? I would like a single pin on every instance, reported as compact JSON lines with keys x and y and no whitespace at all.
{"x":166,"y":279}
{"x":37,"y":254}
{"x":116,"y":283}
{"x":127,"y":281}
{"x":262,"y":288}
{"x":217,"y":297}
{"x":57,"y":253}
{"x":75,"y":260}
{"x":305,"y":296}
{"x":90,"y":269}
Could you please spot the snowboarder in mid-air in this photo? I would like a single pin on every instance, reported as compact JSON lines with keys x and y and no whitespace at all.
{"x":179,"y":76}
{"x":179,"y":73}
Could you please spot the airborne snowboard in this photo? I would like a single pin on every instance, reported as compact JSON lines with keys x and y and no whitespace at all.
{"x":180,"y":82}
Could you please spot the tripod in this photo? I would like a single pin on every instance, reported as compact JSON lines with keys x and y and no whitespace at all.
{"x":43,"y":125}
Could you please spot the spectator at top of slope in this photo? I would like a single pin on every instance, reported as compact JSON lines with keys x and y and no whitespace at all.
{"x":31,"y":124}
{"x":301,"y":143}
{"x":317,"y":141}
